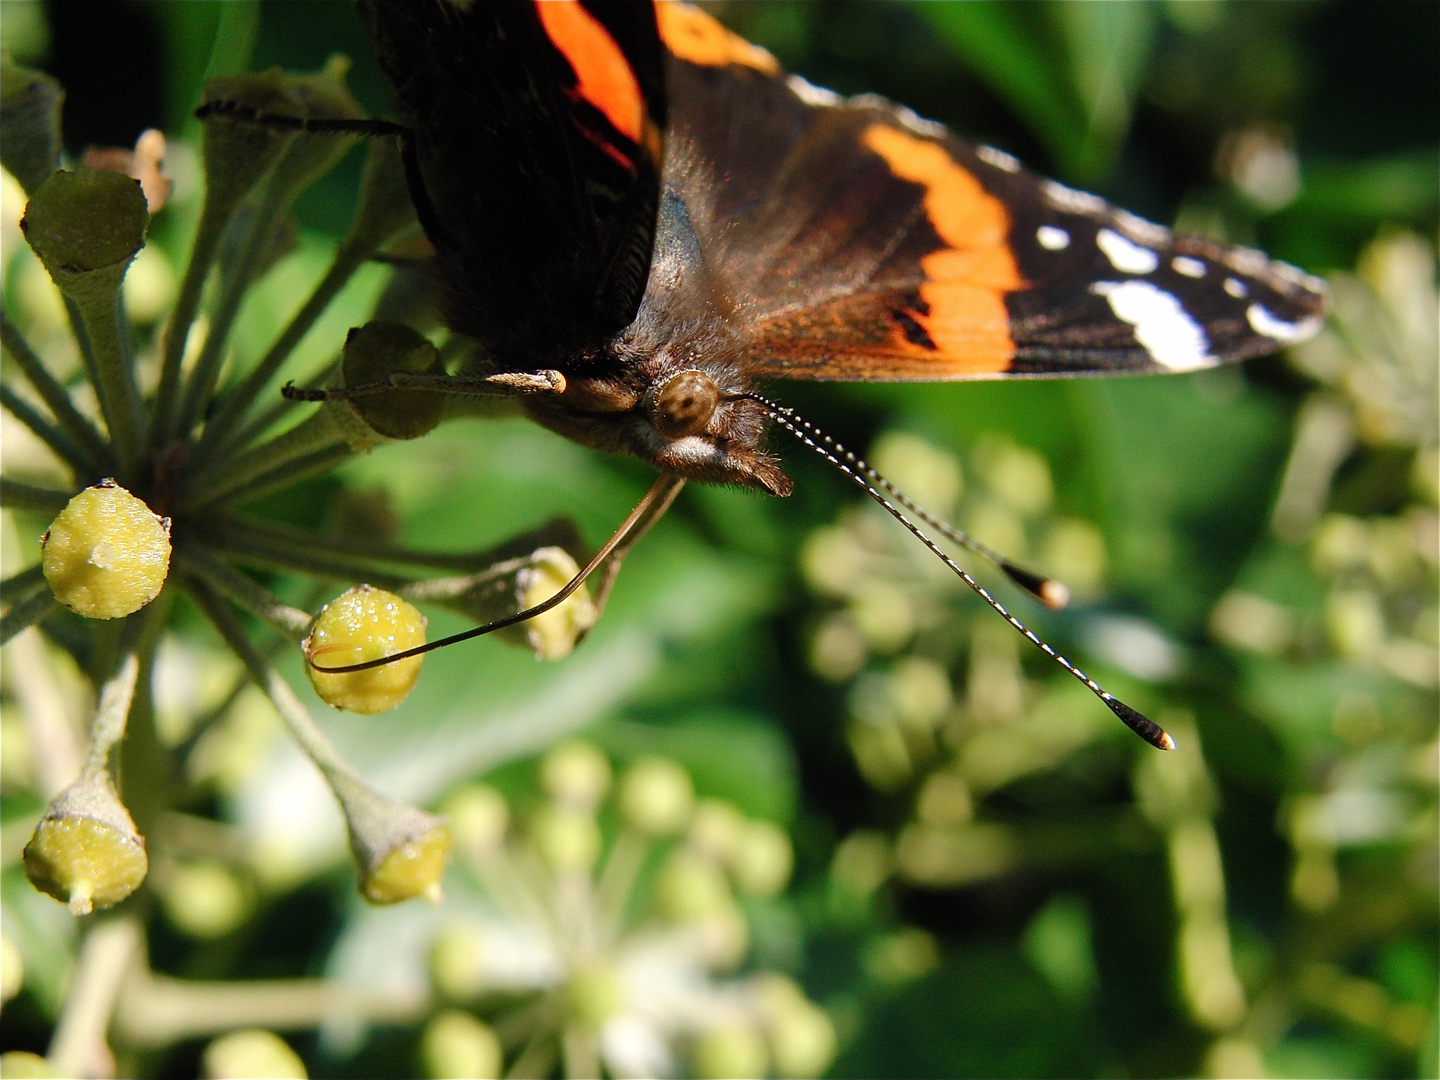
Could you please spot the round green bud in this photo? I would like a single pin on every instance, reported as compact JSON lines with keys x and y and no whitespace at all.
{"x":86,"y":851}
{"x":730,"y":1050}
{"x":251,"y":1054}
{"x":107,"y":554}
{"x":364,"y":623}
{"x":23,"y":1065}
{"x":715,"y":829}
{"x":553,"y":634}
{"x":12,"y":969}
{"x":82,"y":221}
{"x":762,"y":860}
{"x":457,"y":962}
{"x":722,"y":937}
{"x":30,"y":114}
{"x":413,"y":868}
{"x":376,"y":351}
{"x":690,"y":886}
{"x":204,"y":899}
{"x":576,"y":774}
{"x":478,"y":819}
{"x":593,"y":994}
{"x":457,"y":1045}
{"x":802,"y":1036}
{"x":567,"y":839}
{"x":656,"y":797}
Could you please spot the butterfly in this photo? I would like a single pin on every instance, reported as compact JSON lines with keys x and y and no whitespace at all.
{"x":640,"y":218}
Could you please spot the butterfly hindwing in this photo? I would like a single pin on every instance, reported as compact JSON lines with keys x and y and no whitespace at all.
{"x":869,"y":244}
{"x":537,"y":129}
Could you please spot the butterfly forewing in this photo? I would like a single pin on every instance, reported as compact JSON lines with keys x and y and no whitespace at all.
{"x":870,"y":244}
{"x":537,"y":130}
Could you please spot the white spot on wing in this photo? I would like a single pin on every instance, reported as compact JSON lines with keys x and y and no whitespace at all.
{"x":999,"y":158}
{"x":1051,"y":238}
{"x":1262,"y":321}
{"x":1077,"y":202}
{"x":1172,"y":338}
{"x":1125,"y":255}
{"x":1184,"y":264}
{"x":1236,"y":288}
{"x":811,"y":94}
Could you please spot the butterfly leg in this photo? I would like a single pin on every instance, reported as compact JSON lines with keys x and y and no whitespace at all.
{"x":245,"y":113}
{"x":500,"y":384}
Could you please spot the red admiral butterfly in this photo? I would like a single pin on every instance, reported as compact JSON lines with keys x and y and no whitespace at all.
{"x":639,"y":216}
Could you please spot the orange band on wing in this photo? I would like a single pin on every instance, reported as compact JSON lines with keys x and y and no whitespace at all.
{"x":606,"y":79}
{"x":692,"y":35}
{"x":966,"y":280}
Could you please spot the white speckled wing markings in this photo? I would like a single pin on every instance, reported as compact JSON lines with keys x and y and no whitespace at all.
{"x":1107,"y":291}
{"x":863,"y":242}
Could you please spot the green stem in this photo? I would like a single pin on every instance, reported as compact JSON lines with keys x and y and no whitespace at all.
{"x":23,"y":584}
{"x":248,"y":593}
{"x":109,"y":951}
{"x":317,"y":433}
{"x":61,"y":444}
{"x":284,"y":476}
{"x":55,"y":396}
{"x":256,"y":549}
{"x":27,"y":613}
{"x":232,"y":409}
{"x":113,"y":712}
{"x":277,"y":410}
{"x":291,"y":709}
{"x":200,"y":387}
{"x":114,"y":377}
{"x":18,"y":496}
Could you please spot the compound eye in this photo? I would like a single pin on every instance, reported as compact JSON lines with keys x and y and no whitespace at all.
{"x":684,"y":404}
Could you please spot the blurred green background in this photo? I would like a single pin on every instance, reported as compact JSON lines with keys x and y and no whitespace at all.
{"x":992,"y":877}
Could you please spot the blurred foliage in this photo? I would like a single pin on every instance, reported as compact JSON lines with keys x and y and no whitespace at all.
{"x":992,"y":877}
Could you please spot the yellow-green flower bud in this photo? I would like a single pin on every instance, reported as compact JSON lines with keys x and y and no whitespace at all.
{"x":413,"y":868}
{"x":23,"y":1065}
{"x":762,"y":860}
{"x":457,"y":963}
{"x":715,"y":829}
{"x":86,"y":226}
{"x":802,"y":1036}
{"x":689,"y":886}
{"x":107,"y":554}
{"x":722,"y":937}
{"x":593,"y":994}
{"x":478,"y":819}
{"x":457,"y":1045}
{"x":656,"y":797}
{"x":86,"y":851}
{"x":364,"y":623}
{"x":730,"y":1050}
{"x":376,"y":351}
{"x":575,"y":774}
{"x":251,"y":1053}
{"x":203,"y":899}
{"x":553,"y":634}
{"x":567,"y":839}
{"x":12,"y":969}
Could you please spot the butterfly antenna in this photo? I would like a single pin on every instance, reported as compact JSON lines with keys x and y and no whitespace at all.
{"x":663,"y":488}
{"x":872,"y":484}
